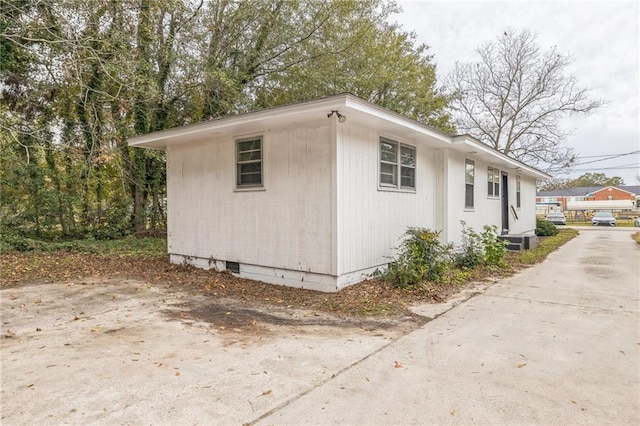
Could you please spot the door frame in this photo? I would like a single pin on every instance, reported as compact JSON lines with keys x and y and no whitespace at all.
{"x":504,"y":196}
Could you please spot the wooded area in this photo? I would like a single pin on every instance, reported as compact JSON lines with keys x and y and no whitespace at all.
{"x":80,"y":78}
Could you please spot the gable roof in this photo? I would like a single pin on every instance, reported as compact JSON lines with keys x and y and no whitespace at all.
{"x":634,"y":189}
{"x":576,"y":191}
{"x":583,"y":191}
{"x":353,"y":108}
{"x":616,"y":187}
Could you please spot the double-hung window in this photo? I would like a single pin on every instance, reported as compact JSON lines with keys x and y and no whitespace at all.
{"x":397,"y":165}
{"x":469,"y":182}
{"x":249,"y":163}
{"x":493,"y":180}
{"x":518,"y":197}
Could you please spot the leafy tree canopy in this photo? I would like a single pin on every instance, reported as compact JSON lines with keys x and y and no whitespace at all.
{"x":587,"y":179}
{"x":78,"y":78}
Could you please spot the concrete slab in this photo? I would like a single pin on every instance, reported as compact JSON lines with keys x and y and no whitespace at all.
{"x":556,"y":344}
{"x":123,"y":352}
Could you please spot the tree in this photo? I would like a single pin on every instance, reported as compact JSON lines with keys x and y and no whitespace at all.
{"x":78,"y":79}
{"x":587,"y":179}
{"x":514,"y":98}
{"x":596,"y":179}
{"x":387,"y":69}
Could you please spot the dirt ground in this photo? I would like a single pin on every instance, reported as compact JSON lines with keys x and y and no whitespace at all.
{"x":89,"y":338}
{"x":110,"y":350}
{"x":366,"y":299}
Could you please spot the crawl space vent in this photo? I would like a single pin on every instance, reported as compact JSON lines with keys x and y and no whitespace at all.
{"x":233,"y":267}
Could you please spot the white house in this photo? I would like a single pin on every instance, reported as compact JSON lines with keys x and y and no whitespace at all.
{"x":317,"y":194}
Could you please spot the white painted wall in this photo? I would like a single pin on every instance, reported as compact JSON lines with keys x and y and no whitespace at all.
{"x":286,"y":225}
{"x":526,"y":224}
{"x":370,"y":221}
{"x":487,"y":210}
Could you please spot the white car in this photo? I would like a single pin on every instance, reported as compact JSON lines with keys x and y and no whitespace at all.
{"x":603,"y":218}
{"x":556,"y":218}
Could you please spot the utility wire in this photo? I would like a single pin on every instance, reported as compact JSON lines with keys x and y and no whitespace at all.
{"x":611,"y":157}
{"x":622,"y":167}
{"x":604,"y":155}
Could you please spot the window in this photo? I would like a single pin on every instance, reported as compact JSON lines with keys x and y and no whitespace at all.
{"x":397,"y":165}
{"x":469,"y":180}
{"x":518,"y":198}
{"x":249,"y":162}
{"x":493,"y":176}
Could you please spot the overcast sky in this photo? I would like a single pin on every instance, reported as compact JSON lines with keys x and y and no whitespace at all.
{"x":602,"y":36}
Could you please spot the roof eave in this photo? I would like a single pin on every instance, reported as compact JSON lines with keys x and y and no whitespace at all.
{"x":472,"y":146}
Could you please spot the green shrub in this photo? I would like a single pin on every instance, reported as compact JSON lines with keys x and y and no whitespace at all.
{"x":421,"y":256}
{"x":494,"y":247}
{"x":480,"y":249}
{"x":471,"y":252}
{"x":544,"y":228}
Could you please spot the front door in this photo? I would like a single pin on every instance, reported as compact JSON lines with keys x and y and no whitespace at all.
{"x":505,"y":204}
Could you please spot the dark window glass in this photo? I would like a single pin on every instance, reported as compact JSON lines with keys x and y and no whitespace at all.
{"x":249,"y":162}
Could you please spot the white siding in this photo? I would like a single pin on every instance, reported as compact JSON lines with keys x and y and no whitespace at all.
{"x":526,"y":223}
{"x":370,"y":221}
{"x":487,"y":210}
{"x":287,"y":225}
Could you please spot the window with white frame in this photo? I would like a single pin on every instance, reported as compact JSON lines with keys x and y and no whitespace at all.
{"x":469,"y":182}
{"x":397,"y":165}
{"x":493,"y":180}
{"x":249,"y":162}
{"x":518,"y":197}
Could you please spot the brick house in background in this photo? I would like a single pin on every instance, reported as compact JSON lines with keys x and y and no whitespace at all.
{"x":589,"y":198}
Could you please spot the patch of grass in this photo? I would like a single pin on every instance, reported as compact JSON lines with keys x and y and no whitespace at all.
{"x":636,"y":237}
{"x":546,"y":246}
{"x":129,"y":246}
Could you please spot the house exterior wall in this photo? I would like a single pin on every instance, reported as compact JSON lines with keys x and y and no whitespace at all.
{"x":526,"y":222}
{"x":371,"y":219}
{"x":285,"y":226}
{"x":611,"y":193}
{"x":487,"y":209}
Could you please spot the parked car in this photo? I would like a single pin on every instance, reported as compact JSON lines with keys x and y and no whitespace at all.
{"x":557,"y":218}
{"x":603,"y":218}
{"x":637,"y":221}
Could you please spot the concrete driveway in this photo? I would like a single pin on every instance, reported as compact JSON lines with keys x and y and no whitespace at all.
{"x":557,"y":343}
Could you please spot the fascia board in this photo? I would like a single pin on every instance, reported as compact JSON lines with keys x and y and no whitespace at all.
{"x":160,"y":139}
{"x":467,"y":143}
{"x":380,"y":113}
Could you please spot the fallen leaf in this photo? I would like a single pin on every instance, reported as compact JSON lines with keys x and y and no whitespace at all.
{"x":177,"y":373}
{"x":452,"y":412}
{"x":267,"y":392}
{"x":522,"y":365}
{"x":397,"y":364}
{"x":573,"y":401}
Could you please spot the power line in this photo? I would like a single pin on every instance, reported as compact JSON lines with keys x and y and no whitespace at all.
{"x":604,"y":155}
{"x":621,"y":167}
{"x":610,"y":157}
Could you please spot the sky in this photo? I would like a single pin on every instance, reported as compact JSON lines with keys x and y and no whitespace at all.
{"x":602,"y":36}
